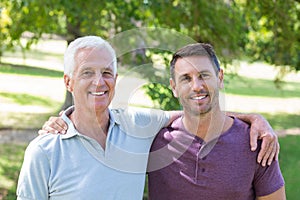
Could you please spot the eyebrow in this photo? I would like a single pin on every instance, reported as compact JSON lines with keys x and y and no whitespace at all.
{"x":183,"y":75}
{"x":200,"y":72}
{"x":108,"y":68}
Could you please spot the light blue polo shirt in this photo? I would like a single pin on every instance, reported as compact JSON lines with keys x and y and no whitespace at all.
{"x":74,"y":166}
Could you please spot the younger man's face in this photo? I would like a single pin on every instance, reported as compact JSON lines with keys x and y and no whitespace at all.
{"x":196,"y":84}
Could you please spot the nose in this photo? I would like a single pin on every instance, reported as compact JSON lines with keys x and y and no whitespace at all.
{"x":98,"y":80}
{"x":197,"y":84}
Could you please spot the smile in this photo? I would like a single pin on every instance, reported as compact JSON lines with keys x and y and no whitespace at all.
{"x":97,"y":93}
{"x":199,"y":97}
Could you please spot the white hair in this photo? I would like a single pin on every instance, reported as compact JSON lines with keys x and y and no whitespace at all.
{"x":86,"y":42}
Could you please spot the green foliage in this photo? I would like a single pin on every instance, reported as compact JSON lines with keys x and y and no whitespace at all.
{"x":273,"y":32}
{"x":258,"y":29}
{"x":5,"y":23}
{"x":217,"y":22}
{"x":266,"y":30}
{"x":162,"y":96}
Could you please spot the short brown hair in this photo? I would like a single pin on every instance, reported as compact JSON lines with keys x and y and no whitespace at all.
{"x":197,"y":49}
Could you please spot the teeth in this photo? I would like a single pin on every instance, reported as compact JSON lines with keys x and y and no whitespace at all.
{"x":97,"y":93}
{"x":199,"y":98}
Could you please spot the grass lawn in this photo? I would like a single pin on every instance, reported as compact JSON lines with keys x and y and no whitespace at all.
{"x":290,"y":165}
{"x":29,"y":94}
{"x":10,"y":164}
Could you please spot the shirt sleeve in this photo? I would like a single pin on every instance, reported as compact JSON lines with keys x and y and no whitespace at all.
{"x":34,"y":175}
{"x":268,"y":179}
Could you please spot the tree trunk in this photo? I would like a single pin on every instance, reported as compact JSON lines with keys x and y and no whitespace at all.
{"x":68,"y":101}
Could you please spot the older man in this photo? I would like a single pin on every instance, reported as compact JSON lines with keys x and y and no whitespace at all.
{"x":103,"y":155}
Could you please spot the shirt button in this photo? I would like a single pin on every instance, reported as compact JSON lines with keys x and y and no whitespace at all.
{"x":203,"y":169}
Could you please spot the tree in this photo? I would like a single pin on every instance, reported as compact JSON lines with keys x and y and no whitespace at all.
{"x":262,"y":30}
{"x":70,"y":18}
{"x":5,"y":22}
{"x":273,"y":33}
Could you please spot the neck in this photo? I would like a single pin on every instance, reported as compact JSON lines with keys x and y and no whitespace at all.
{"x":207,"y":126}
{"x":94,"y":125}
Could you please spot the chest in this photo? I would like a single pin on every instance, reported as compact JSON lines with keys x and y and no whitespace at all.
{"x":225,"y":171}
{"x":82,"y":171}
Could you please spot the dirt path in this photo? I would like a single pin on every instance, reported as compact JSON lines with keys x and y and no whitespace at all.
{"x":17,"y":136}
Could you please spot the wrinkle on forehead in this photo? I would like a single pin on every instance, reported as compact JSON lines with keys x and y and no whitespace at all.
{"x":94,"y":57}
{"x":193,"y":64}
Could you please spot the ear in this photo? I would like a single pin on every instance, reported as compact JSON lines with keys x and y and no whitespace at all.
{"x":173,"y":85}
{"x":221,"y":79}
{"x":68,"y":83}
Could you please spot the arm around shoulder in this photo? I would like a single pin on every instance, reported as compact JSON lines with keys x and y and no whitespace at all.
{"x":173,"y":115}
{"x":261,"y":129}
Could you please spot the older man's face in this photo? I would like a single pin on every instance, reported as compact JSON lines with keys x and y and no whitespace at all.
{"x":93,"y":82}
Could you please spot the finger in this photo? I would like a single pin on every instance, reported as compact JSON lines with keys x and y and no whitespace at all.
{"x":57,"y":124}
{"x":267,"y":155}
{"x":62,"y":124}
{"x":45,"y":126}
{"x":50,"y":130}
{"x":42,"y":132}
{"x":253,"y":139}
{"x":61,"y":112}
{"x":52,"y":127}
{"x":272,"y":155}
{"x":264,"y":148}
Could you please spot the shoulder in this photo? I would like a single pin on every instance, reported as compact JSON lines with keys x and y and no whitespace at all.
{"x":140,"y":117}
{"x":136,"y":112}
{"x":175,"y":125}
{"x":240,"y":125}
{"x":237,"y":137}
{"x":168,"y":134}
{"x":239,"y":130}
{"x":43,"y":143}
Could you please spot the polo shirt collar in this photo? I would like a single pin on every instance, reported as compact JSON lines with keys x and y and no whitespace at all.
{"x":72,"y":132}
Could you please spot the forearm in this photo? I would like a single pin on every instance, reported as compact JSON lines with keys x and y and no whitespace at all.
{"x":246,"y":117}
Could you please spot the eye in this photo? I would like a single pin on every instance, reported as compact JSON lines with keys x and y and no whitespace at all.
{"x":87,"y":73}
{"x":108,"y":73}
{"x":185,"y":78}
{"x":204,"y":76}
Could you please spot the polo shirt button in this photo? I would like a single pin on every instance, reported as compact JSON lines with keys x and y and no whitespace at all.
{"x":203,"y":170}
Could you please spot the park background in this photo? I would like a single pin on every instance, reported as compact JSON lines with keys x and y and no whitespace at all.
{"x":258,"y":43}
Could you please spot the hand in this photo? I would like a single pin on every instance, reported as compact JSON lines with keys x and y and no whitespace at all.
{"x":54,"y":125}
{"x":261,"y":129}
